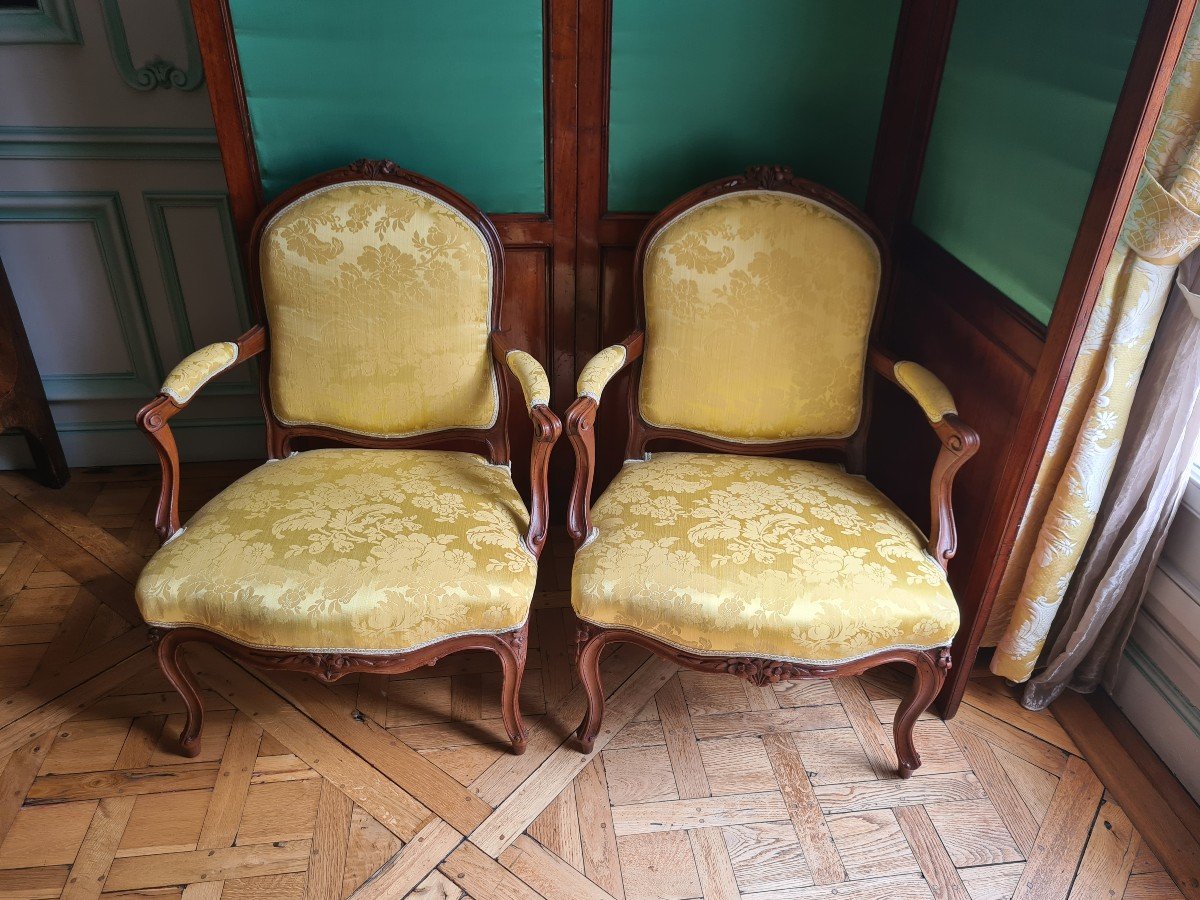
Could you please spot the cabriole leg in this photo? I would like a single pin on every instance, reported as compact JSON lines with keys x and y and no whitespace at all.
{"x":930,"y":667}
{"x":512,"y":652}
{"x":167,"y":647}
{"x":589,"y":674}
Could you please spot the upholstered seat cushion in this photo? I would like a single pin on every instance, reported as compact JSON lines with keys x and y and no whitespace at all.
{"x":743,"y":556}
{"x":346,"y":549}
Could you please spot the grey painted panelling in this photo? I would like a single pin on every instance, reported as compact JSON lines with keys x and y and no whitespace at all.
{"x":115,"y":228}
{"x":71,"y":265}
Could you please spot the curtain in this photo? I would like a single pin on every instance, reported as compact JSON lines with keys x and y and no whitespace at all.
{"x":1131,"y":528}
{"x":1161,"y":228}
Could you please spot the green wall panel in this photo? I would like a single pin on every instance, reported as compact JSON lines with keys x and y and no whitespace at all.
{"x":1026,"y":101}
{"x":704,"y":88}
{"x":451,"y":89}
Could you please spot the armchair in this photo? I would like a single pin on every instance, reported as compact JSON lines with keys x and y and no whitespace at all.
{"x":379,"y":294}
{"x":756,"y":301}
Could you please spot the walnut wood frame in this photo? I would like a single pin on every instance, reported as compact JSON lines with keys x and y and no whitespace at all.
{"x":930,"y":667}
{"x":510,"y":646}
{"x":959,"y":442}
{"x":154,"y":419}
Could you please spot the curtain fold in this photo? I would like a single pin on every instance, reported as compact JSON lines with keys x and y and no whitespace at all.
{"x":1131,"y":528}
{"x":1161,"y":228}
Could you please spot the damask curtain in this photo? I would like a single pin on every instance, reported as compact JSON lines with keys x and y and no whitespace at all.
{"x":1161,"y":228}
{"x":1147,"y":485}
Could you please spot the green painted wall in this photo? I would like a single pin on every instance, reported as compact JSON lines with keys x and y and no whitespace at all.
{"x":1026,"y":102}
{"x":704,"y":88}
{"x":451,"y":89}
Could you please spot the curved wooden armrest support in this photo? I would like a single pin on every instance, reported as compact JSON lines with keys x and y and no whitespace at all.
{"x":547,"y":429}
{"x":581,"y":421}
{"x":153,"y":419}
{"x":959,"y":443}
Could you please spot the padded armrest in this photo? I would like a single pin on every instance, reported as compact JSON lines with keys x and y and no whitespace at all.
{"x":927,"y":389}
{"x":198,"y":369}
{"x":599,"y":371}
{"x":534,"y":383}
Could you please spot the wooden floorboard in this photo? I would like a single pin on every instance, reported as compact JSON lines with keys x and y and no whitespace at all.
{"x":381,"y":787}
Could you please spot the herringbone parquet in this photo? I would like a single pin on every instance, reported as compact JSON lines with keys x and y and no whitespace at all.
{"x":700,"y":786}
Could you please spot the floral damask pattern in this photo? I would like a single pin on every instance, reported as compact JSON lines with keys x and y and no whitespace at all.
{"x":378,"y":298}
{"x":758,"y":305}
{"x":599,"y":370}
{"x":745,"y":556}
{"x":197,"y":369}
{"x":535,"y":386}
{"x":927,"y":389}
{"x":1162,"y":226}
{"x":345,"y":549}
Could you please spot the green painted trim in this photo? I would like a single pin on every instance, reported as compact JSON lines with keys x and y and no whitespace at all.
{"x":104,"y":212}
{"x":157,"y":204}
{"x":1164,"y":686}
{"x":57,"y":142}
{"x":53,"y":22}
{"x":158,"y":72}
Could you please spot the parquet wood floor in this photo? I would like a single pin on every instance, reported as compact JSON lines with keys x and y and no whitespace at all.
{"x":700,"y":786}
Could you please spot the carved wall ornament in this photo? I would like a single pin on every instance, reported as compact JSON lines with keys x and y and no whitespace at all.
{"x":157,"y":72}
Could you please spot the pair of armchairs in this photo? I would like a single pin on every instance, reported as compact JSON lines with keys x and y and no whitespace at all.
{"x":380,"y":293}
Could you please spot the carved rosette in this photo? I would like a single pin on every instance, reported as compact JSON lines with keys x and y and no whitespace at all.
{"x":769,"y":177}
{"x":328,"y":667}
{"x":375,"y":168}
{"x":757,"y":671}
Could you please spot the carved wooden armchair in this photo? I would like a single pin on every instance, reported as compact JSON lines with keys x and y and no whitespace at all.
{"x":757,"y":307}
{"x":379,"y":295}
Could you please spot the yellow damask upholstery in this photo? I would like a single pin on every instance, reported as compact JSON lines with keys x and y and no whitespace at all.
{"x":599,"y":371}
{"x":346,"y":549}
{"x":378,"y":298}
{"x":744,"y":556}
{"x":927,"y":389}
{"x":197,"y":369}
{"x":534,"y":383}
{"x":758,"y":307}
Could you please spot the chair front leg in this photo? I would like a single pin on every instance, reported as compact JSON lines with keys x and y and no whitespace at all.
{"x":590,"y":643}
{"x":930,"y":674}
{"x":512,"y":649}
{"x":168,"y":643}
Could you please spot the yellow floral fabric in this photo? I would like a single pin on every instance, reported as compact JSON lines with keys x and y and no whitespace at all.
{"x":1161,"y":227}
{"x":197,"y":369}
{"x":379,"y":302}
{"x":927,"y":389}
{"x":599,"y":371}
{"x":745,"y":556}
{"x":534,"y":383}
{"x":758,"y":305}
{"x":346,"y":549}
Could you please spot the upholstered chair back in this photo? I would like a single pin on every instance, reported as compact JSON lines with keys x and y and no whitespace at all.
{"x":758,"y":307}
{"x":378,"y":297}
